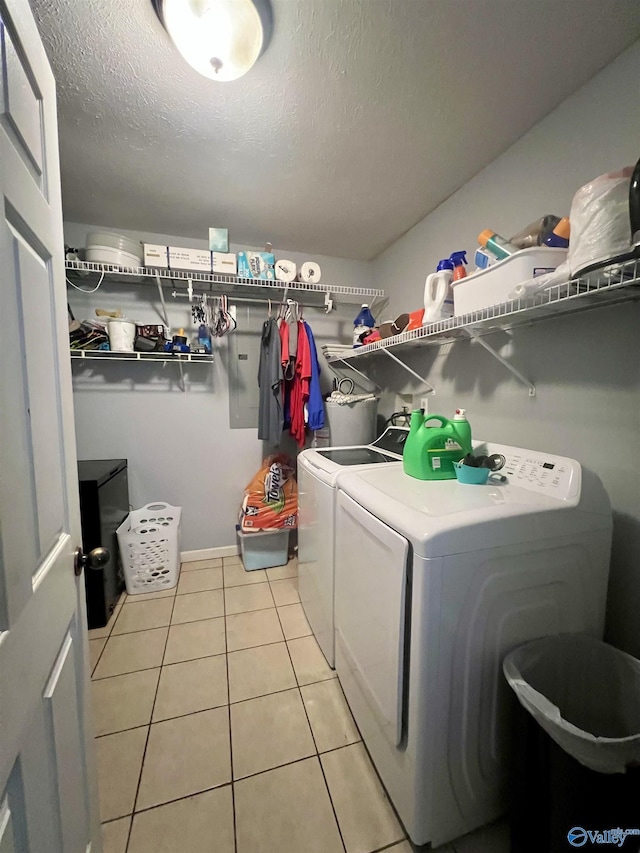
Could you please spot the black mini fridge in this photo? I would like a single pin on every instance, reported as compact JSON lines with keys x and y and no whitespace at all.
{"x":104,"y":504}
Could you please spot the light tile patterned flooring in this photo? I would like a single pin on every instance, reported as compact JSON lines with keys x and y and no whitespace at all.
{"x":221,"y":729}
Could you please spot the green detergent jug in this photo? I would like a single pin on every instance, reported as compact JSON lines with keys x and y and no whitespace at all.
{"x":431,"y":451}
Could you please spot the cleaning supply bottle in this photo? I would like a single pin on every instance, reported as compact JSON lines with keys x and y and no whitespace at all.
{"x":438,"y":295}
{"x":496,"y":244}
{"x":204,"y":338}
{"x":178,"y":343}
{"x":459,"y":259}
{"x":430,"y":452}
{"x":559,"y":237}
{"x":482,"y":259}
{"x":362,"y":325}
{"x":463,"y":428}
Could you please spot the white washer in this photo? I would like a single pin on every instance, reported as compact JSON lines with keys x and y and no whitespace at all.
{"x":434,"y":583}
{"x":318,"y":472}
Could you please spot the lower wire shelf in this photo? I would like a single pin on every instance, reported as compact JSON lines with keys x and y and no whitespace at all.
{"x":162,"y":357}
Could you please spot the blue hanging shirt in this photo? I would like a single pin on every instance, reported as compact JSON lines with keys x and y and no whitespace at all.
{"x":315,"y":405}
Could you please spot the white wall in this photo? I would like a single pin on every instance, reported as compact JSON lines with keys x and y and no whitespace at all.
{"x":179,"y":445}
{"x":586,"y":367}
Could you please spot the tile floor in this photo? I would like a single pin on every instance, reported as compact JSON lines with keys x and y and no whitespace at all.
{"x":221,"y":729}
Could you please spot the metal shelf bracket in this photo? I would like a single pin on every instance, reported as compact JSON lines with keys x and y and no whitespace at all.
{"x":355,"y":370}
{"x":431,"y":389}
{"x":503,"y":361}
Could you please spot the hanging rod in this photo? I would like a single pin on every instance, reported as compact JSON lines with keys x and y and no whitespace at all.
{"x":179,"y":294}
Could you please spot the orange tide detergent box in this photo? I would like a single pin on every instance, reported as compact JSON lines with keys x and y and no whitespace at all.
{"x":271,"y":498}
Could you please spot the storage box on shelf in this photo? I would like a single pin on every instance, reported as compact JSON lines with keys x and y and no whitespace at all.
{"x":493,"y":285}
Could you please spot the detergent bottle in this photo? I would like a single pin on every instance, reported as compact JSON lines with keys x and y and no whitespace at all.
{"x":363,"y":323}
{"x":459,"y":259}
{"x":430,"y":452}
{"x":559,"y":237}
{"x":438,"y":296}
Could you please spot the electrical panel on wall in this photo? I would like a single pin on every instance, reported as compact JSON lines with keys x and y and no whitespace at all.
{"x":244,"y":359}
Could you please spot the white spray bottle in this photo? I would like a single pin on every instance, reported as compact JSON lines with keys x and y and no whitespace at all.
{"x":438,"y":295}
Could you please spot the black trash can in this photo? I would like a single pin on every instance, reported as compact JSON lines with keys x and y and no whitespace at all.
{"x":577,"y":746}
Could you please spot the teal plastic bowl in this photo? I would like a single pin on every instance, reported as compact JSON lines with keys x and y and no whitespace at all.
{"x":471,"y":476}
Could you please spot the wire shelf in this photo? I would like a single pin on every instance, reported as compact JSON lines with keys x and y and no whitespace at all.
{"x":162,"y":357}
{"x":230,"y":282}
{"x":609,"y":285}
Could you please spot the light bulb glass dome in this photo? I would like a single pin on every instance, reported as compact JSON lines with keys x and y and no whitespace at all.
{"x":220,"y":39}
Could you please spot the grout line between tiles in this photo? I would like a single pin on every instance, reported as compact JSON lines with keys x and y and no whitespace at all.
{"x":177,"y":800}
{"x":146,"y":744}
{"x":233,"y":793}
{"x":313,"y":737}
{"x":95,"y":666}
{"x":130,"y":672}
{"x":142,"y":630}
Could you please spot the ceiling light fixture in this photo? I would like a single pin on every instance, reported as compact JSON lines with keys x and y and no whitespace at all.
{"x":221,"y":39}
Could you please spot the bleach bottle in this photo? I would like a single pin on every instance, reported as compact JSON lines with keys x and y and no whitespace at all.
{"x":363,"y":323}
{"x":438,"y":295}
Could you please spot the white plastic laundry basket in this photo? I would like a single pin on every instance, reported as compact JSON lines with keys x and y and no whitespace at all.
{"x":149,"y":541}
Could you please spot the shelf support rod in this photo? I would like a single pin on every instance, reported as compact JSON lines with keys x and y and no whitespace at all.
{"x":503,"y":361}
{"x":164,"y":304}
{"x":355,"y":370}
{"x":406,"y":367}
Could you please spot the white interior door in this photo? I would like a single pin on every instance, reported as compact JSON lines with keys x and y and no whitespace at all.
{"x":48,"y":790}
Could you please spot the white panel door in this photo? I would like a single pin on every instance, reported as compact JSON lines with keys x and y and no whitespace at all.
{"x":48,"y":791}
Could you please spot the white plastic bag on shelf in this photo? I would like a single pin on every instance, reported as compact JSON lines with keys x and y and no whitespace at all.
{"x":586,"y":696}
{"x":600,"y":230}
{"x":599,"y":217}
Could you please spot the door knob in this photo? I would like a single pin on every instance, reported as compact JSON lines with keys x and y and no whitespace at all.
{"x":96,"y":559}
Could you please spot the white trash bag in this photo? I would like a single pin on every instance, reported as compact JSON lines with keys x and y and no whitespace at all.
{"x":600,"y":230}
{"x":586,"y":696}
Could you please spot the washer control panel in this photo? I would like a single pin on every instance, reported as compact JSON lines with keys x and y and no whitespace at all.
{"x":556,"y":476}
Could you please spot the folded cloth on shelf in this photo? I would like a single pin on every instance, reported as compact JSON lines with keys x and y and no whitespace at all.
{"x":336,"y":350}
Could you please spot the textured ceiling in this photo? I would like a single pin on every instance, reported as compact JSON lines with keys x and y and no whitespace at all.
{"x":360,"y":118}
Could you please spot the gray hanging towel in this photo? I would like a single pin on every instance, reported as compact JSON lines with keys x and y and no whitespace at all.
{"x":270,"y":417}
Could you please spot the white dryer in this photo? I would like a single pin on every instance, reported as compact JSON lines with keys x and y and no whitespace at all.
{"x":318,"y":472}
{"x":434,"y":583}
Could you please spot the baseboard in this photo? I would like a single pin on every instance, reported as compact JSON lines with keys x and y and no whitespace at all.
{"x":209,"y":553}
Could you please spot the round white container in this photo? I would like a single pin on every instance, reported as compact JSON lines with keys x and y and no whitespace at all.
{"x":115,"y":241}
{"x":108,"y":255}
{"x":122,"y":334}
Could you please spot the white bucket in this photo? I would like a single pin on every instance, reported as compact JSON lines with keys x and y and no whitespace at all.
{"x":352,"y":424}
{"x":122,"y":334}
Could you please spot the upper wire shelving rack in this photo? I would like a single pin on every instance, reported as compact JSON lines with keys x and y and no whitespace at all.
{"x":618,"y":282}
{"x":228,"y":284}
